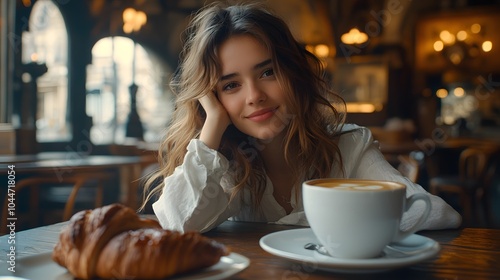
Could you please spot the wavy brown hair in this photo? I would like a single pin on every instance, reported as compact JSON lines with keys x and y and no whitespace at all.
{"x":313,"y":123}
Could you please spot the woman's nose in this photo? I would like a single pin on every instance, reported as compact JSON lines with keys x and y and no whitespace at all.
{"x":255,"y":95}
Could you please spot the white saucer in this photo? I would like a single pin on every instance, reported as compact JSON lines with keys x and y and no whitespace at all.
{"x":289,"y":244}
{"x":41,"y":266}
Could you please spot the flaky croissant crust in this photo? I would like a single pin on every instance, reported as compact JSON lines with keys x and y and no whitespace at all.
{"x":114,"y":242}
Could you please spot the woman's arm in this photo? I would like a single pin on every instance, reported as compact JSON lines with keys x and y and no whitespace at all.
{"x":216,"y":122}
{"x":193,"y":197}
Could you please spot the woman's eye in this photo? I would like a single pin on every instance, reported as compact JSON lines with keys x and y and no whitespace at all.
{"x":229,"y":86}
{"x":268,"y":72}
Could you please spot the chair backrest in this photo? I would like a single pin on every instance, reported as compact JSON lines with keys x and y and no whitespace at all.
{"x":472,"y":165}
{"x":492,"y":164}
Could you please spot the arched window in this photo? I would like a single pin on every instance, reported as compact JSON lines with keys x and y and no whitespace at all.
{"x":117,"y":63}
{"x":47,"y":42}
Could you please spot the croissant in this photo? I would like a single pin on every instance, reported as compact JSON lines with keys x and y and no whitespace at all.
{"x":113,"y":242}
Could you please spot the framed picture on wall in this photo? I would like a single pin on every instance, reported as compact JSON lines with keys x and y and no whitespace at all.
{"x":363,"y":83}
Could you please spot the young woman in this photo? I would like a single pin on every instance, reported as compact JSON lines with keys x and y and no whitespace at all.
{"x":253,"y":120}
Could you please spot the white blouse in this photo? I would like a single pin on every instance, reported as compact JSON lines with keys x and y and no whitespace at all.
{"x":196,"y":196}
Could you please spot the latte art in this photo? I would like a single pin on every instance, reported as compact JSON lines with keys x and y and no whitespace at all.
{"x":360,"y":188}
{"x":357,"y":186}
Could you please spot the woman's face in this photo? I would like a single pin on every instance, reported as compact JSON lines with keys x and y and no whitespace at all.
{"x":249,"y":90}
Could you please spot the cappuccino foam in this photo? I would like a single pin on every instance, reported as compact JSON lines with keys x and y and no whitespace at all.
{"x":355,"y":186}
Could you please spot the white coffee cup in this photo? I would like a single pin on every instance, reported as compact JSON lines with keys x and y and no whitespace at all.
{"x":356,"y":219}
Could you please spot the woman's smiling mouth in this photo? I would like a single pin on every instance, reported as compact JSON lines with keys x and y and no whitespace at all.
{"x":262,"y":115}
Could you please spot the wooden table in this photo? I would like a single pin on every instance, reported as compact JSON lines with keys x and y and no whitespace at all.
{"x":63,"y":165}
{"x":19,"y":158}
{"x":470,"y":253}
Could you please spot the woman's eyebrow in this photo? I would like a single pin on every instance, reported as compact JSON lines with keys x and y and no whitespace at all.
{"x":257,"y":66}
{"x":262,"y":64}
{"x":227,"y":77}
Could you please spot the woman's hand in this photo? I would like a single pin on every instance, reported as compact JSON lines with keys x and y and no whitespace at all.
{"x":216,"y":122}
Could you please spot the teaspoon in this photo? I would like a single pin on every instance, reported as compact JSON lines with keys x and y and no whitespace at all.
{"x":388,"y":251}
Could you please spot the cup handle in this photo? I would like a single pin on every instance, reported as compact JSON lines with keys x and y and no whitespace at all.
{"x":409,"y":202}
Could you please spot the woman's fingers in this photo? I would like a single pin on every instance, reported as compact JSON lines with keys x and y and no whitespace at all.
{"x":214,"y":108}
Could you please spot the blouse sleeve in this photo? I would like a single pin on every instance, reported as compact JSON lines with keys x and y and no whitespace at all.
{"x":364,"y":160}
{"x":193,"y":197}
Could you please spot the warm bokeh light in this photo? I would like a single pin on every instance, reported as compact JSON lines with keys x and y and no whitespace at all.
{"x":464,"y":44}
{"x":34,"y":57}
{"x":487,"y":46}
{"x":354,"y":37}
{"x":441,"y":93}
{"x":128,"y":28}
{"x":128,"y":14}
{"x":133,"y":20}
{"x":321,"y":50}
{"x":461,"y":35}
{"x":475,"y":28}
{"x":141,"y":19}
{"x":447,"y":37}
{"x":459,"y":92}
{"x":438,"y":46}
{"x":357,"y":107}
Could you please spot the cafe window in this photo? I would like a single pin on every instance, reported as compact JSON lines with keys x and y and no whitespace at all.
{"x":117,"y":63}
{"x":46,"y":42}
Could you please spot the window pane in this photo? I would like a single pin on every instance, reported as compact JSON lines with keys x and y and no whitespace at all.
{"x":47,"y":43}
{"x":108,"y":98}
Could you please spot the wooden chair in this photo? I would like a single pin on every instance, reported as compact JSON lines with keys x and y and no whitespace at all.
{"x":148,"y":152}
{"x":485,"y":193}
{"x":35,"y":183}
{"x":470,"y":184}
